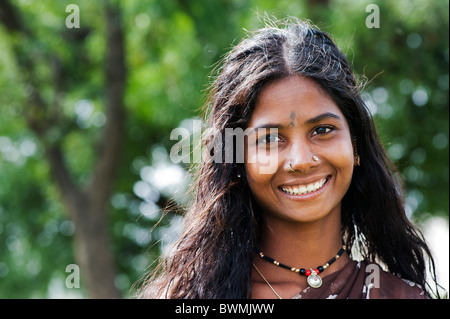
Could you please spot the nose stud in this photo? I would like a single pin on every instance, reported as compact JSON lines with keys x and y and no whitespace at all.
{"x":314,"y":158}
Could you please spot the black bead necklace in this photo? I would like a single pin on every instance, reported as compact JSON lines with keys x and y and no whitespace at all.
{"x":313,"y":279}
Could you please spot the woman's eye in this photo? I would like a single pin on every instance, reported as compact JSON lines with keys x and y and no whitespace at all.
{"x":322,"y":130}
{"x":267,"y":139}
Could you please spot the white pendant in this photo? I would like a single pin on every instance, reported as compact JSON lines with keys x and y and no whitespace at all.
{"x":314,"y":280}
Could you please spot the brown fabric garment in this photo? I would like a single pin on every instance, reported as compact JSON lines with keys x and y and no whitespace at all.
{"x":362,"y":280}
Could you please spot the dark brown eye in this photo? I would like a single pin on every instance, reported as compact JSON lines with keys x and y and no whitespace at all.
{"x":322,"y":130}
{"x":267,"y":139}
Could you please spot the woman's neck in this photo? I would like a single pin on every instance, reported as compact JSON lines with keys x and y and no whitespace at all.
{"x":302,"y":245}
{"x":299,"y":245}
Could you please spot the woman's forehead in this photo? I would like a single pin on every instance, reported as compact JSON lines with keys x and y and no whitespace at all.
{"x":292,"y":99}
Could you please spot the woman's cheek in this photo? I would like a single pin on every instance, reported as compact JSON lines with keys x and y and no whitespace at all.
{"x":263,"y":161}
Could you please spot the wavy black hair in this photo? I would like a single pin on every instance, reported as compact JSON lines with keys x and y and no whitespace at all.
{"x":213,"y":257}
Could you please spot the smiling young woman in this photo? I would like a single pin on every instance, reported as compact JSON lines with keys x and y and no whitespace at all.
{"x":331,"y":196}
{"x":301,"y":201}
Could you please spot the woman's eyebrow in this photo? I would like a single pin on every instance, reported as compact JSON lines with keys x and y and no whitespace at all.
{"x":322,"y":117}
{"x":310,"y":121}
{"x":271,"y":125}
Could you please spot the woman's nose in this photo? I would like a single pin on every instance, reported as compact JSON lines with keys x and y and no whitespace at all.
{"x":302,"y":158}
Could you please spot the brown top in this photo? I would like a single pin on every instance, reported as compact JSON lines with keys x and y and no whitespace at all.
{"x":363,"y":280}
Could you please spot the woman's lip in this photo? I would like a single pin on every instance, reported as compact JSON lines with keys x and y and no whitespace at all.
{"x":308,"y":196}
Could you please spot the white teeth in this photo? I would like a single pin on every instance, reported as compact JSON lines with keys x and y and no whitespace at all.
{"x":305,"y":189}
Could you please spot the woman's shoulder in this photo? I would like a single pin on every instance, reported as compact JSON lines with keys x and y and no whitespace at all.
{"x":380,"y":284}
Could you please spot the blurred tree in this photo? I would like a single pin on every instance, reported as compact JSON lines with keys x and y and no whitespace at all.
{"x":86,"y":116}
{"x":85,"y":203}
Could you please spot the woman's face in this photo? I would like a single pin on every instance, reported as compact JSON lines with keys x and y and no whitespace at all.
{"x":313,"y":137}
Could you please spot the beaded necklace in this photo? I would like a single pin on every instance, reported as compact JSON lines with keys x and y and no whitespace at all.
{"x":314,"y":280}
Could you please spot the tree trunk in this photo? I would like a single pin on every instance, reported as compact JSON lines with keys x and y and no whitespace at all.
{"x":91,"y":242}
{"x":93,"y":252}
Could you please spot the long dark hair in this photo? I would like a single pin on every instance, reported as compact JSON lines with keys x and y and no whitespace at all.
{"x":213,"y":257}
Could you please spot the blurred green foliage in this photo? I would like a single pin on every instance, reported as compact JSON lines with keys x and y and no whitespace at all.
{"x":171,"y":50}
